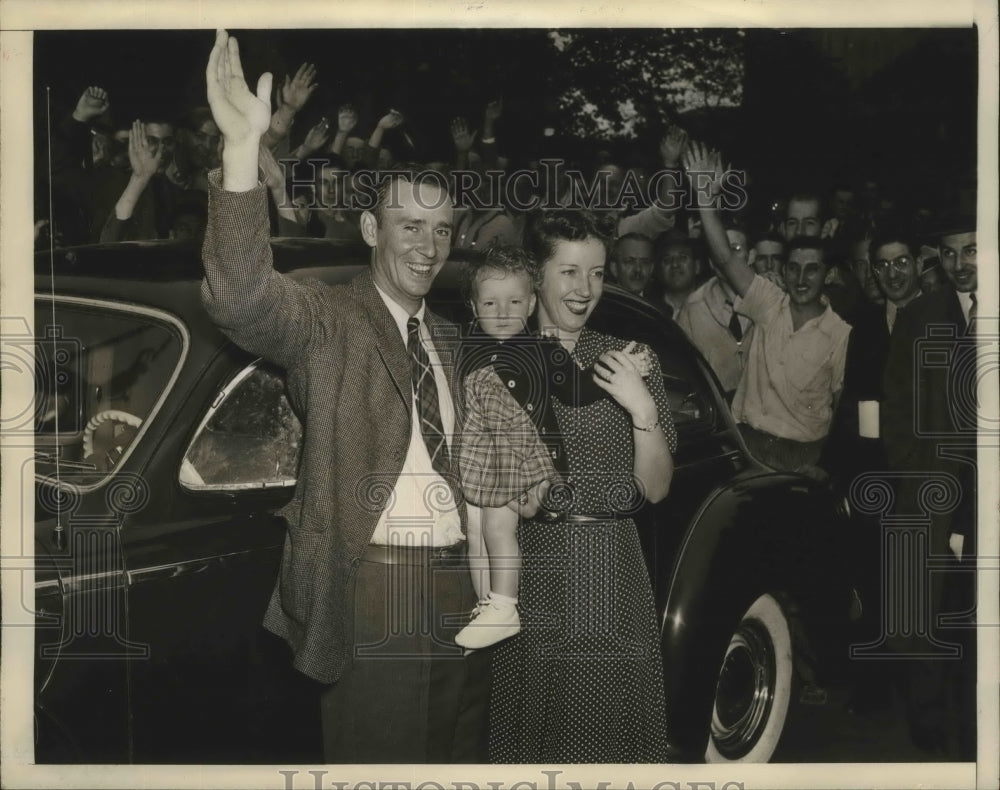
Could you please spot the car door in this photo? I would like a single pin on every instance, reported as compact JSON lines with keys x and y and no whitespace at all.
{"x":103,"y":371}
{"x":707,"y":453}
{"x":200,"y":570}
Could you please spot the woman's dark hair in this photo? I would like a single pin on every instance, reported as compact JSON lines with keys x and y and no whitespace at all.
{"x":545,"y":228}
{"x":504,"y":258}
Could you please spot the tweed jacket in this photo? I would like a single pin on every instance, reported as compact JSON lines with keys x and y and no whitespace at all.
{"x":348,"y":377}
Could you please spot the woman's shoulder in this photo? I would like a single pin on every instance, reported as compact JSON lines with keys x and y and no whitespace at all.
{"x":596,"y":343}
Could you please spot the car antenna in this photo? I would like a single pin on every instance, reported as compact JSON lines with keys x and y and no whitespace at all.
{"x":59,"y":533}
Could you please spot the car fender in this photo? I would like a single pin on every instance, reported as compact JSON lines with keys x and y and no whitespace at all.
{"x":761,"y":533}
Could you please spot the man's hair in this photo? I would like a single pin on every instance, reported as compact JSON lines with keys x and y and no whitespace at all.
{"x":159,"y":117}
{"x":893,"y":233}
{"x":677,"y":238}
{"x":633,"y":236}
{"x":195,"y":118}
{"x":770,"y":235}
{"x":388,"y":188}
{"x":810,"y":243}
{"x":547,"y":227}
{"x":805,"y":196}
{"x":505,"y":259}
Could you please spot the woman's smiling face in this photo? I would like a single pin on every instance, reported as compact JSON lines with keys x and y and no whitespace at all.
{"x":572,"y":284}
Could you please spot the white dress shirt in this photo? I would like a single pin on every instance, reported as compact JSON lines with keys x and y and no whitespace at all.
{"x":421,"y":510}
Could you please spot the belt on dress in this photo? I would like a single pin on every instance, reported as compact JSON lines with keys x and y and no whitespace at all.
{"x":414,"y":555}
{"x":576,"y":518}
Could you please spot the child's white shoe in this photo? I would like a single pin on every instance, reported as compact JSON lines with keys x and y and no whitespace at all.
{"x":491,"y":622}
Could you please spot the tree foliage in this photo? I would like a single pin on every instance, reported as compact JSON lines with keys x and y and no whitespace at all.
{"x":619,"y":83}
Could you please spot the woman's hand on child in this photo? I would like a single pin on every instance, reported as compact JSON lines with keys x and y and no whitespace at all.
{"x":530,"y":502}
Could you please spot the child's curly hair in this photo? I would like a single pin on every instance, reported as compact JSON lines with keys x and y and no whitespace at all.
{"x":505,"y":259}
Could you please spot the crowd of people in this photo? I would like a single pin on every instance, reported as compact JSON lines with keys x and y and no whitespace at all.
{"x":807,"y":308}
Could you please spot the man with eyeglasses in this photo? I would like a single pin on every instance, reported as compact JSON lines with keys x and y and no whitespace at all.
{"x":631,"y":262}
{"x":856,"y":444}
{"x":930,"y":433}
{"x":145,"y":204}
{"x":910,"y":418}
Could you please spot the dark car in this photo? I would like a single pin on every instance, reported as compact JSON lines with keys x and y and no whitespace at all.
{"x":164,"y":453}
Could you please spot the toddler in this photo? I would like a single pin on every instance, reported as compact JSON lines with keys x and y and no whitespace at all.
{"x":507,"y":413}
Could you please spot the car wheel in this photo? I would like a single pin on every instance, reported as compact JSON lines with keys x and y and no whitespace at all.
{"x":754,"y":688}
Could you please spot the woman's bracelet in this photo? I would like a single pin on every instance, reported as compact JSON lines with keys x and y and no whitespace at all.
{"x":650,"y":429}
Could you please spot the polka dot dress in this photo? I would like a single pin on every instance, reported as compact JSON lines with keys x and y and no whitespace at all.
{"x":583,"y":682}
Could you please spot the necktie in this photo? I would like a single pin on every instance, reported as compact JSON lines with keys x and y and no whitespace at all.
{"x":735,"y":327}
{"x":970,"y":326}
{"x":429,"y":408}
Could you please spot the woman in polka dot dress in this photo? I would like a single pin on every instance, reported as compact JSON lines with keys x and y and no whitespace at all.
{"x":583,"y":682}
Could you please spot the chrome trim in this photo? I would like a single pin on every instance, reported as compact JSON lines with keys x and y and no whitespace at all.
{"x":148,"y":312}
{"x":182,"y":568}
{"x":47,"y":585}
{"x":220,"y":398}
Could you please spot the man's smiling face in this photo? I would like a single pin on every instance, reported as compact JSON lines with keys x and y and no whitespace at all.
{"x":411,"y":241}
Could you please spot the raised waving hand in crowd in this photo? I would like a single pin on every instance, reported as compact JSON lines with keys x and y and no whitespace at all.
{"x":390,"y":120}
{"x":347,"y":119}
{"x":242,"y":117}
{"x":315,"y":138}
{"x":705,"y":172}
{"x":292,"y":97}
{"x":488,"y":142}
{"x":464,"y":140}
{"x":92,"y":103}
{"x":144,"y":159}
{"x":672,"y":146}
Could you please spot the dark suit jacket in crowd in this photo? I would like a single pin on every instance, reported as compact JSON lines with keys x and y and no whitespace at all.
{"x":349,"y":379}
{"x":928,"y":412}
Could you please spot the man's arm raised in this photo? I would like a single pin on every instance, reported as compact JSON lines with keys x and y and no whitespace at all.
{"x":260,"y":309}
{"x":241,"y":116}
{"x":704,"y":170}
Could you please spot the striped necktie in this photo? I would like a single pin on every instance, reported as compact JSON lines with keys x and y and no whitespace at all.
{"x":970,"y":325}
{"x":429,"y":408}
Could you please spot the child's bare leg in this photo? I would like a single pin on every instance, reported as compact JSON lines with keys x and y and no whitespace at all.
{"x":500,"y":532}
{"x":497,"y":618}
{"x":479,"y":562}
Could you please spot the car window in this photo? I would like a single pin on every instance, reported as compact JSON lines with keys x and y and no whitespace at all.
{"x":250,"y":437}
{"x":688,"y":389}
{"x":101,"y":371}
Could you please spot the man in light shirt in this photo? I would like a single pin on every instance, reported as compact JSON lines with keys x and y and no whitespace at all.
{"x":795,"y":365}
{"x":374,"y":562}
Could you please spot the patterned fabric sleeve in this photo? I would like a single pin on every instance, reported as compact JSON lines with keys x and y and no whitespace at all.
{"x":499,"y":453}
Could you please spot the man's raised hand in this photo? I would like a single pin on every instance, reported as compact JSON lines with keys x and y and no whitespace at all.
{"x":673,"y":145}
{"x":144,"y":158}
{"x":703,"y":167}
{"x":347,"y":119}
{"x":461,"y":135}
{"x":297,"y":90}
{"x":92,"y":102}
{"x":241,"y":116}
